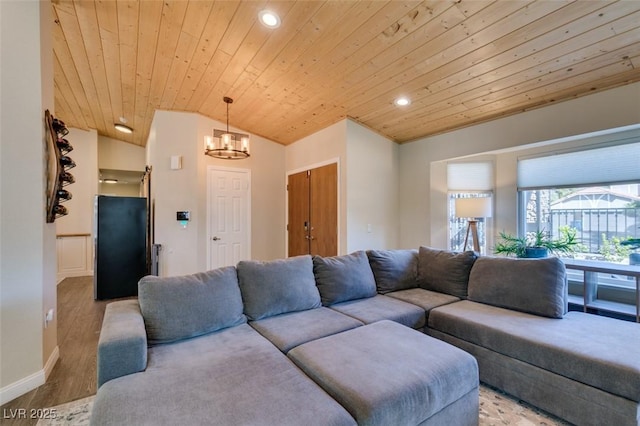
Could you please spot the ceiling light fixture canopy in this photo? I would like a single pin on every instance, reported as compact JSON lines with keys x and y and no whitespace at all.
{"x":225,"y":144}
{"x":123,"y":128}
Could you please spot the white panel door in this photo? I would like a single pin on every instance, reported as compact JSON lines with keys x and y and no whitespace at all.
{"x":229,"y":218}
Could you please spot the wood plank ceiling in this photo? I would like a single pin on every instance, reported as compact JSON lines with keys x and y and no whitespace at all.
{"x":460,"y":62}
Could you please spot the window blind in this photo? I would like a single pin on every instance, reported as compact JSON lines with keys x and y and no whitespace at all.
{"x":599,"y":166}
{"x":470,"y":176}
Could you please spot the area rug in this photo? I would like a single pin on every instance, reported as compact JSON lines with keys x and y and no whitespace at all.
{"x":74,"y":413}
{"x":496,"y":408}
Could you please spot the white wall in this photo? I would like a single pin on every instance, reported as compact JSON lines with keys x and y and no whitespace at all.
{"x":27,"y":244}
{"x":422,"y":191}
{"x":372,"y":190}
{"x":184,"y":250}
{"x":74,"y":242}
{"x":175,"y":190}
{"x":121,"y":189}
{"x":367,"y":180}
{"x":115,"y":154}
{"x":85,"y":155}
{"x":326,"y":145}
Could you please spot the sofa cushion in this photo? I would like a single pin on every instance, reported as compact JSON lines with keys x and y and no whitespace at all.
{"x":385,"y":374}
{"x":394,"y":269}
{"x":425,"y":299}
{"x":382,"y":307}
{"x":232,"y":377}
{"x":598,"y":351}
{"x":342,"y":278}
{"x":445,"y":271}
{"x":287,"y":331}
{"x":186,"y":306}
{"x":277,"y":286}
{"x":536,"y":286}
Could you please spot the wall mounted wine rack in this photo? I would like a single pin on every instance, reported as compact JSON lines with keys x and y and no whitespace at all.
{"x":58,"y":165}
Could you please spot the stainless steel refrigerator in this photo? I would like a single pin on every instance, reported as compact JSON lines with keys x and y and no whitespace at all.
{"x":121,"y":255}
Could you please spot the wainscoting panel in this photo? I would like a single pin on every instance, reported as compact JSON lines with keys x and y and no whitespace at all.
{"x":75,"y":255}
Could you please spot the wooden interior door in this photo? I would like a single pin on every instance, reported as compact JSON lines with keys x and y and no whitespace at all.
{"x":323,"y":213}
{"x":298,"y":226}
{"x":313,"y":211}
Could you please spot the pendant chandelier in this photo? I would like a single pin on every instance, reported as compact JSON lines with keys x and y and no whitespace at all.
{"x":225,"y":144}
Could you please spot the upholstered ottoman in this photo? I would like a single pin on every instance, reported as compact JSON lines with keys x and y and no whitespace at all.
{"x":387,"y":374}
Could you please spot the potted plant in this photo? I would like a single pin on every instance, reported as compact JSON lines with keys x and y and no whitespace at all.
{"x":537,"y":244}
{"x":634,"y":244}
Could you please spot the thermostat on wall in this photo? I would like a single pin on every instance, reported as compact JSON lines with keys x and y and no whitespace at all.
{"x":183,"y":219}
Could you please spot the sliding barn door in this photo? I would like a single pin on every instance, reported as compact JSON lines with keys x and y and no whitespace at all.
{"x":313,"y":211}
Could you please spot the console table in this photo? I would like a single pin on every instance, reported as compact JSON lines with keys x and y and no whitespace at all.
{"x":591,"y":269}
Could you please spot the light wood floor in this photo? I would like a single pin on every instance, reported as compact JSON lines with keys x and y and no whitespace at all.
{"x":74,"y":375}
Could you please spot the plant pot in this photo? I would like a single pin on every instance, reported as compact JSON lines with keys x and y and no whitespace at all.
{"x":535,"y":252}
{"x":634,"y":258}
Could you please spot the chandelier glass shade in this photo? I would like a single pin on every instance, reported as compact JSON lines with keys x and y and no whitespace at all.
{"x":225,"y":144}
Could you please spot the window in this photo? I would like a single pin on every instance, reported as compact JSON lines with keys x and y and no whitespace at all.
{"x":458,"y":225}
{"x":467,"y":180}
{"x":596,"y":192}
{"x":603,"y":217}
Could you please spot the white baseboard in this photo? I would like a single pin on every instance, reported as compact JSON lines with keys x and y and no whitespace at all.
{"x":29,"y":383}
{"x":51,"y":362}
{"x":61,"y":276}
{"x":22,"y":386}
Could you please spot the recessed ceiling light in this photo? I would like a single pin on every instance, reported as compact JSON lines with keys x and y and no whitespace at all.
{"x":403,"y":101}
{"x":269,"y":19}
{"x":122,"y":128}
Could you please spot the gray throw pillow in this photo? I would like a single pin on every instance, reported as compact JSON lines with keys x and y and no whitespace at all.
{"x":394,"y":269}
{"x":445,"y":271}
{"x":176,"y":308}
{"x":536,"y":286}
{"x":277,"y":286}
{"x":343,"y":278}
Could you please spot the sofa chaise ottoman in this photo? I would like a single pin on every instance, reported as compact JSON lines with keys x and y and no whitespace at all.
{"x":388,"y":374}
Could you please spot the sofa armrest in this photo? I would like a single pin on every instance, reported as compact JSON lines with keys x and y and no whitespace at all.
{"x":122,"y":348}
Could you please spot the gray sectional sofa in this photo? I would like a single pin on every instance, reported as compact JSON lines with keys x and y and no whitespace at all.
{"x":375,"y":338}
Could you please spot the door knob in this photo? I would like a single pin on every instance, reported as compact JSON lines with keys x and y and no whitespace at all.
{"x":216,"y":239}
